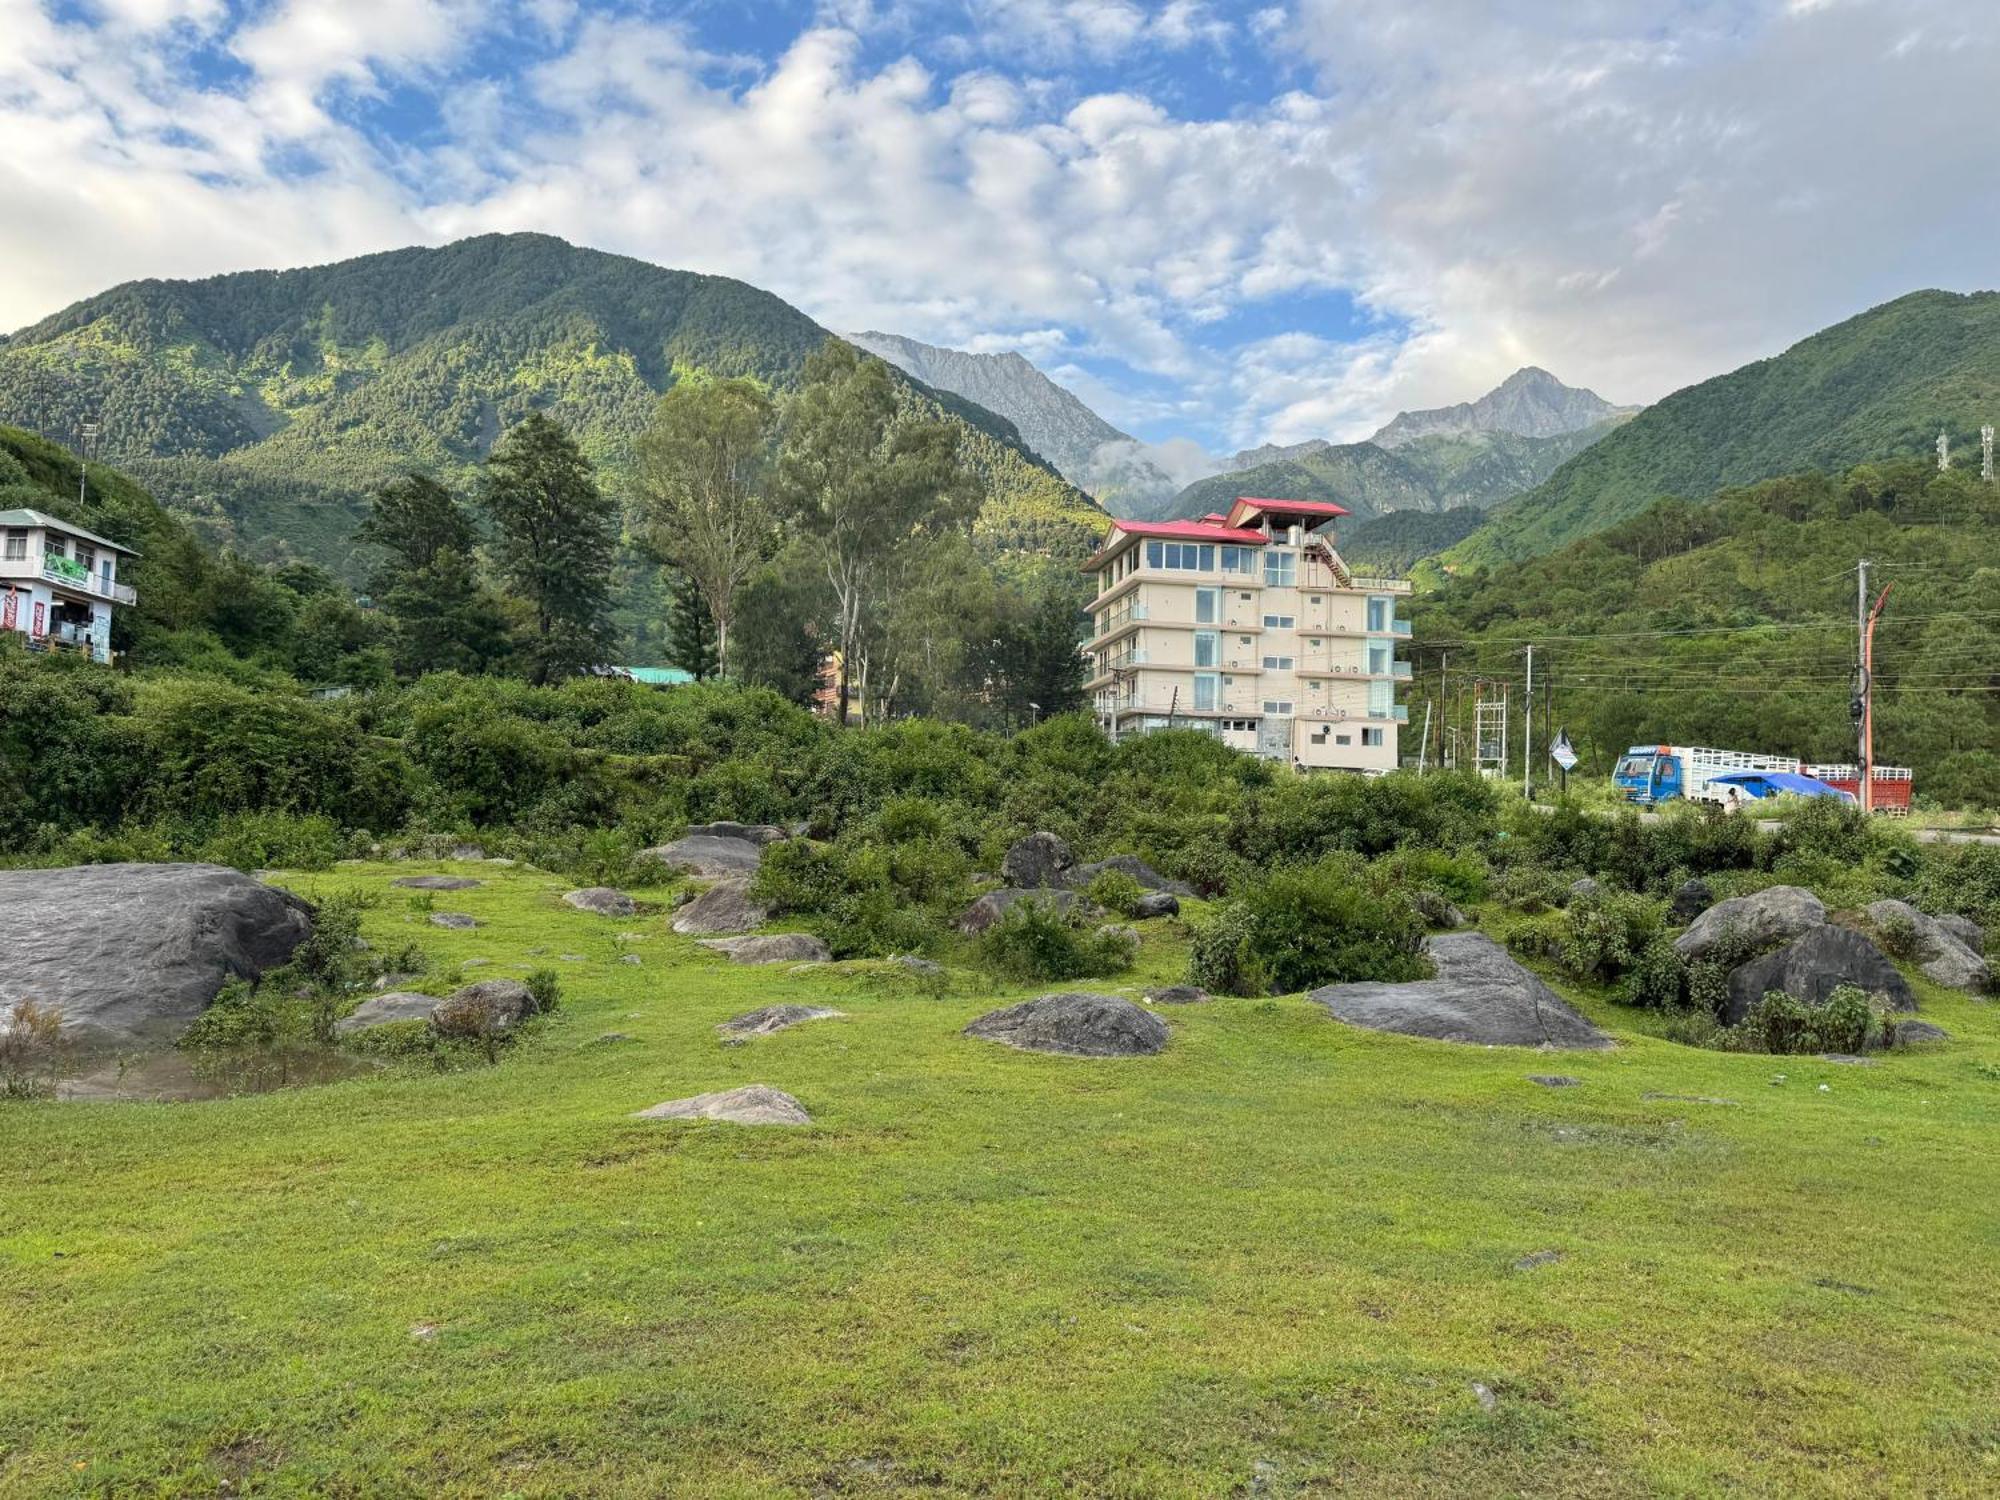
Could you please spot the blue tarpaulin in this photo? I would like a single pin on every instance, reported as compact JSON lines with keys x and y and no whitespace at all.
{"x":1778,"y":784}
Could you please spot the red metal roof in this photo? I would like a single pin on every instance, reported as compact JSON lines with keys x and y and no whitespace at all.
{"x":1179,"y":531}
{"x":1284,"y":507}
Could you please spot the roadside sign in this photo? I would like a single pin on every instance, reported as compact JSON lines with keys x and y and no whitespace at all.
{"x":1562,"y":752}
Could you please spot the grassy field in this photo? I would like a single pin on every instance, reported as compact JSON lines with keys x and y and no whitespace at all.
{"x":1284,"y":1257}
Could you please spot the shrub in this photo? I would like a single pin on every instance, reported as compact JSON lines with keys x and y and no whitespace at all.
{"x":1531,"y":888}
{"x":1307,"y":926}
{"x":546,"y":986}
{"x":799,"y":876}
{"x":1223,"y":958}
{"x":877,"y":924}
{"x":31,"y":1050}
{"x":1782,"y":1023}
{"x":1658,"y":979}
{"x":1036,"y":940}
{"x":1897,"y":936}
{"x":1963,"y":879}
{"x":1116,"y":891}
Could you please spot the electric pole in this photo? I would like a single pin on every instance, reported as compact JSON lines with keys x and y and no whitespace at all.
{"x":1859,"y":708}
{"x":1528,"y":732}
{"x":88,"y":435}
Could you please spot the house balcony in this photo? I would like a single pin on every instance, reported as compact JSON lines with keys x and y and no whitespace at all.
{"x":60,"y":573}
{"x":1116,"y":622}
{"x":1401,"y":670}
{"x":1380,"y":585}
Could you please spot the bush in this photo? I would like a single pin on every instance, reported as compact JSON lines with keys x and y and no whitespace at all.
{"x":1223,"y":957}
{"x":1783,"y":1024}
{"x":1532,"y":888}
{"x":1307,"y":926}
{"x":1035,"y":940}
{"x":546,"y":986}
{"x":31,"y":1050}
{"x":1116,"y":891}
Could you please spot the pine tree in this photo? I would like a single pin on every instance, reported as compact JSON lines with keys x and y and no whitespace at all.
{"x":692,"y":641}
{"x":556,"y":534}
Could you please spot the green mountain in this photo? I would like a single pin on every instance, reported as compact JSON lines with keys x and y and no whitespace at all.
{"x":1880,"y":385}
{"x":1732,"y":623}
{"x":1440,"y":472}
{"x":263,"y":405}
{"x":1390,"y":546}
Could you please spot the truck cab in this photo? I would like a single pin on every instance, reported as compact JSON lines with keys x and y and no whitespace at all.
{"x":1649,"y":774}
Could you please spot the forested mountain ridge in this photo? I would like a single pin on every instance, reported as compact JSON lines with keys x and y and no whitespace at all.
{"x":266,"y":403}
{"x":1440,"y":472}
{"x":1879,"y":385}
{"x":1731,"y":622}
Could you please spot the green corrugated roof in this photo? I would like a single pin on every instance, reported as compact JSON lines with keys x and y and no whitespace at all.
{"x":660,"y":676}
{"x":41,"y":518}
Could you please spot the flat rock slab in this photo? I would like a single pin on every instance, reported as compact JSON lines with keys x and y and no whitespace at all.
{"x":437,"y":882}
{"x":773,"y":948}
{"x":1479,"y":995}
{"x":1916,"y":1033}
{"x":1076,"y":1023}
{"x":1555,"y":1080}
{"x":603,"y":900}
{"x":755,"y":833}
{"x":1768,"y":917}
{"x":1179,"y":994}
{"x":708,"y":855}
{"x":131,"y":954}
{"x":386,"y":1010}
{"x":458,"y":921}
{"x":1149,"y":878}
{"x":753,"y":1104}
{"x":773,"y":1018}
{"x":724,"y":907}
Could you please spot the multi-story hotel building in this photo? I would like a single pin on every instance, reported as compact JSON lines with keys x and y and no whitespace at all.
{"x":1249,"y":626}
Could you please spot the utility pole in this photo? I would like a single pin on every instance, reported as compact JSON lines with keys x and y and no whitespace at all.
{"x":1859,"y":708}
{"x":1424,"y":745}
{"x":88,"y":435}
{"x":1528,"y":732}
{"x":1444,"y":704}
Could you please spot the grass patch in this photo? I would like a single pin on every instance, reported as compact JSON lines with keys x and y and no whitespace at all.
{"x":1281,"y":1255}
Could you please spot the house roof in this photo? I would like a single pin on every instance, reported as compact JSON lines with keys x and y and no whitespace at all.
{"x":26,"y":517}
{"x":1177,"y":531}
{"x":660,"y":676}
{"x":1249,"y":504}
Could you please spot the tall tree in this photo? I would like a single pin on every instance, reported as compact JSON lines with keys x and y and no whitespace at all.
{"x":701,"y":467}
{"x":443,"y":617}
{"x":693,"y":643}
{"x":863,"y":476}
{"x":555,"y":537}
{"x":413,"y":519}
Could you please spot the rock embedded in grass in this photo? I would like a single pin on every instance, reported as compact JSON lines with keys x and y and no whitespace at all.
{"x":1764,"y":919}
{"x":772,"y":948}
{"x":1812,"y":966}
{"x":1040,"y":859}
{"x":487,"y":1008}
{"x":131,"y":954}
{"x":1077,"y":1024}
{"x":1179,"y":994}
{"x":753,"y":1104}
{"x":1555,"y":1080}
{"x":1156,"y":904}
{"x":773,"y":1018}
{"x":1479,"y":995}
{"x":458,"y":921}
{"x":994,"y":905}
{"x":437,"y":883}
{"x":1916,"y":1033}
{"x":1537,"y":1258}
{"x":1944,"y":956}
{"x":603,"y":900}
{"x":713,"y":850}
{"x":387,"y":1010}
{"x":1148,"y":878}
{"x":724,"y":907}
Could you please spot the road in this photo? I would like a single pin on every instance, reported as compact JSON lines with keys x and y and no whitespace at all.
{"x":1923,"y":835}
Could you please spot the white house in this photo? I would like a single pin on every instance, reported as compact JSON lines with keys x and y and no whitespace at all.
{"x":59,"y":583}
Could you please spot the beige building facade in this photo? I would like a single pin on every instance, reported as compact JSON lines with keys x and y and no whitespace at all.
{"x":1250,"y":627}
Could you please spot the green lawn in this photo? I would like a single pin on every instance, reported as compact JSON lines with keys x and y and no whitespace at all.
{"x":1276,"y":1259}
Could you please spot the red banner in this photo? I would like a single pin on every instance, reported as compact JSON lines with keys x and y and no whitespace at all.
{"x":10,"y":611}
{"x":41,"y":626}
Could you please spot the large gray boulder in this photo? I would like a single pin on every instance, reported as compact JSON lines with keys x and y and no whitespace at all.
{"x":386,"y":1010}
{"x":994,"y":905}
{"x":1690,"y":899}
{"x":603,"y":900}
{"x":488,"y":1008}
{"x":1769,"y":917}
{"x":1815,"y":964}
{"x":1965,"y":930}
{"x":1946,"y":958}
{"x":1479,"y":994}
{"x":1156,"y":904}
{"x":753,"y":1104}
{"x":131,"y":954}
{"x":755,"y":833}
{"x":1078,"y":1024}
{"x":1149,"y":878}
{"x":771,"y":948}
{"x":724,"y":907}
{"x":708,"y":856}
{"x":773,"y":1018}
{"x":1040,"y":859}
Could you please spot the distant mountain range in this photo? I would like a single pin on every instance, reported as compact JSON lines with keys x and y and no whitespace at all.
{"x":1880,"y":385}
{"x":265,"y":404}
{"x":1530,"y":403}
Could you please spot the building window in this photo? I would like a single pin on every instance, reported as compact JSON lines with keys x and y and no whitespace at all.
{"x":16,"y":546}
{"x":1277,"y":705}
{"x":1281,"y":570}
{"x":1378,"y":614}
{"x":1207,"y":649}
{"x":1181,"y":556}
{"x":1239,"y":559}
{"x":1204,"y":692}
{"x":1378,"y":658}
{"x":1343,"y":739}
{"x":1277,"y":664}
{"x":87,"y":556}
{"x":1207,"y":604}
{"x":54,"y":546}
{"x":1314,"y":600}
{"x":1277,"y":622}
{"x":1371,"y":737}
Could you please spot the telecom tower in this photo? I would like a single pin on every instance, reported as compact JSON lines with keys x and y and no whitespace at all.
{"x":1489,"y":729}
{"x":1986,"y":453}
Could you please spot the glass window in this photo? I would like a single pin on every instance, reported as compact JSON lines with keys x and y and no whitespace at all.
{"x":1371,"y":737}
{"x":1277,"y":622}
{"x":1207,"y":649}
{"x":1207,"y":604}
{"x":1281,"y":569}
{"x":1343,"y":739}
{"x":1378,"y":657}
{"x":1277,"y":705}
{"x":1277,"y":664}
{"x":54,"y":546}
{"x":1153,"y":554}
{"x":17,"y":544}
{"x":1204,"y":692}
{"x":86,"y":555}
{"x":1239,"y":559}
{"x":1378,"y":614}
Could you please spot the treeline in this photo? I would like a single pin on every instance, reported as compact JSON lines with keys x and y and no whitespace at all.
{"x":1731,"y":623}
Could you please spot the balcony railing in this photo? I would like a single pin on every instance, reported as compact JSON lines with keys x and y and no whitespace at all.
{"x":1401,"y":670}
{"x":85,"y":581}
{"x":1399,"y":627}
{"x":1120,"y":617}
{"x":1382,"y":585}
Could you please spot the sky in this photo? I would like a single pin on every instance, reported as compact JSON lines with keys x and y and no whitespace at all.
{"x":1220,"y":224}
